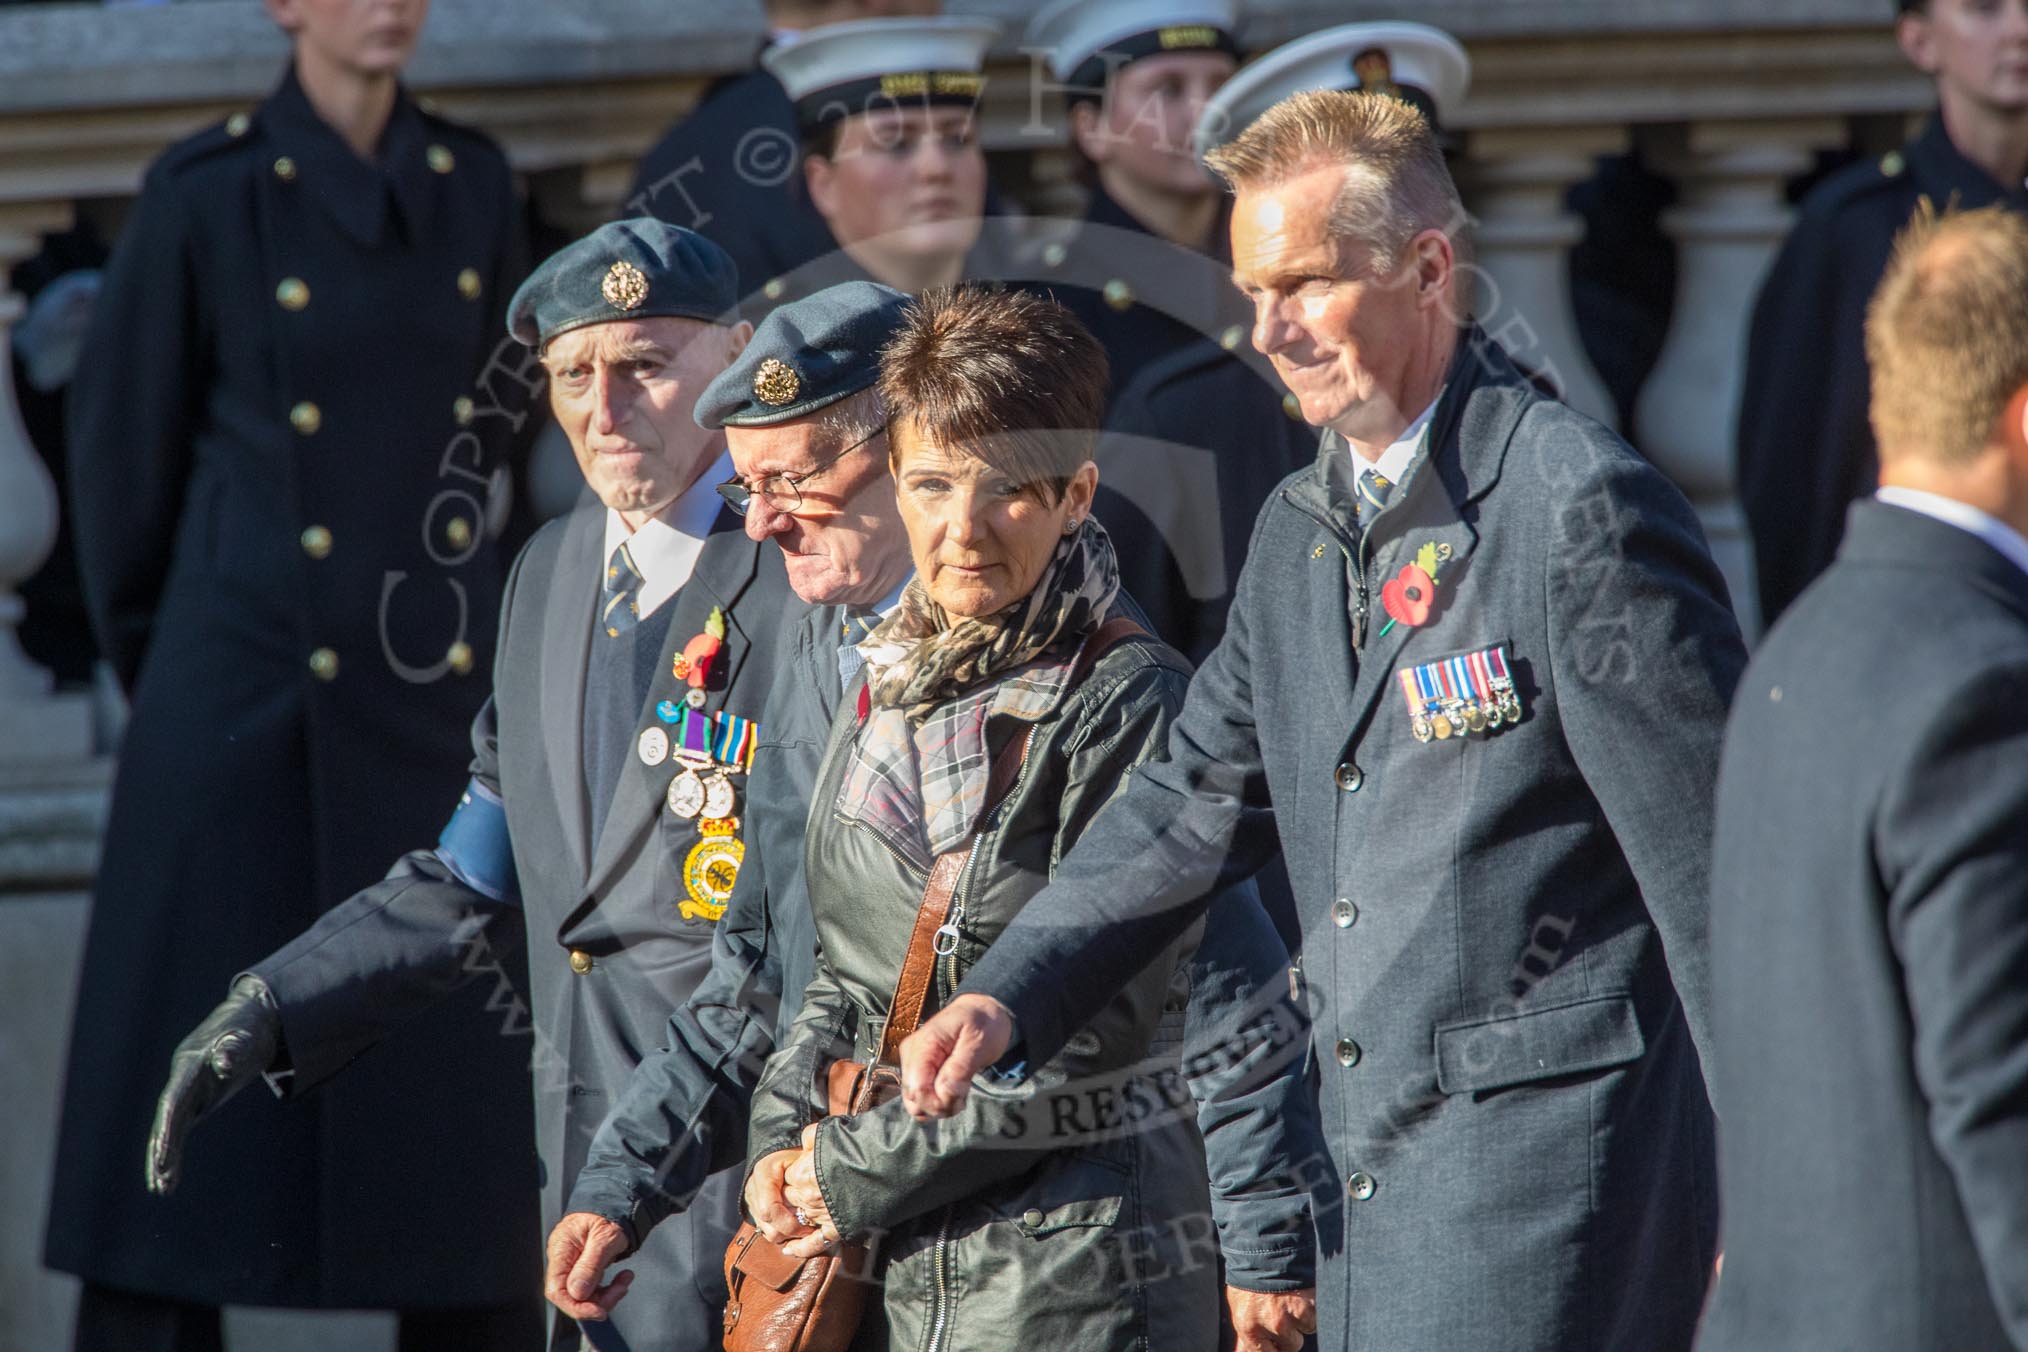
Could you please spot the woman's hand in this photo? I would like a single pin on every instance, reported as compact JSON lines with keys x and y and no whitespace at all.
{"x":771,"y":1211}
{"x":800,"y":1189}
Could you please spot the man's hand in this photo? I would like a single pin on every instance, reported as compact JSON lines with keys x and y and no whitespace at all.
{"x":234,"y":1044}
{"x":580,"y":1248}
{"x":940,"y":1058}
{"x":1269,"y":1322}
{"x":771,"y":1211}
{"x":800,"y":1190}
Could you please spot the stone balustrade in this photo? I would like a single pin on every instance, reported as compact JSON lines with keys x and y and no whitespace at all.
{"x":1728,"y":98}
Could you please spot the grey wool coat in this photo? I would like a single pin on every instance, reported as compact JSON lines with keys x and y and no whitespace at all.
{"x":1504,"y":932}
{"x":611,"y":946}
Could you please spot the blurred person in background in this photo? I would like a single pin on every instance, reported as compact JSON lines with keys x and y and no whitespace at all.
{"x":282,"y":482}
{"x":1805,"y":447}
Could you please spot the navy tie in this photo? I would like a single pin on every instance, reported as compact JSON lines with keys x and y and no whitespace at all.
{"x":1374,"y":488}
{"x":851,"y":634}
{"x":620,"y":609}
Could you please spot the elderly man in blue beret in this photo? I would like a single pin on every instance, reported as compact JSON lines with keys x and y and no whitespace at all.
{"x":602,"y":823}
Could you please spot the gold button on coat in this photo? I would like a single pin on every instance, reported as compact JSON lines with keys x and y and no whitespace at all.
{"x":324,"y":664}
{"x":773,"y":290}
{"x":580,"y":961}
{"x":1119,"y":295}
{"x":1053,"y":255}
{"x":1033,"y":1217}
{"x":317,"y":542}
{"x":459,"y":532}
{"x":237,"y":124}
{"x":1233,"y":336}
{"x":1293,"y":407}
{"x":285,"y":169}
{"x":461,"y":409}
{"x":468,"y":284}
{"x":460,"y":658}
{"x":441,"y":159}
{"x":293,"y":293}
{"x":306,"y":418}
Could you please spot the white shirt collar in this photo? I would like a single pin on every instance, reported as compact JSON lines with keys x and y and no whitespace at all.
{"x":666,"y":546}
{"x":1395,"y":460}
{"x":1964,"y":516}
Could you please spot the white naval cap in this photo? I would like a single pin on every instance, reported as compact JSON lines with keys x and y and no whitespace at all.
{"x":1074,"y":34}
{"x":840,"y":69}
{"x":1424,"y":66}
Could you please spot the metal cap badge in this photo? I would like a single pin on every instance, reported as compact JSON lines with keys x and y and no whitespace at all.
{"x":625,"y":287}
{"x":776,"y":383}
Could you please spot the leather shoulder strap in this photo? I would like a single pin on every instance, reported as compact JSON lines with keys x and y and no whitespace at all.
{"x":918,"y":968}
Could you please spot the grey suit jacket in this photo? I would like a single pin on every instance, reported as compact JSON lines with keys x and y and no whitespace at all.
{"x":1504,"y":933}
{"x":614,"y":944}
{"x":1869,"y":925}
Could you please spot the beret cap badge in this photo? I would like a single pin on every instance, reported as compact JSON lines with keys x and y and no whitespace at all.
{"x":625,"y":287}
{"x":776,"y":383}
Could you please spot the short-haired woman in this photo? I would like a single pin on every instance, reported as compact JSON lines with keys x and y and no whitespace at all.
{"x":1013,"y":1225}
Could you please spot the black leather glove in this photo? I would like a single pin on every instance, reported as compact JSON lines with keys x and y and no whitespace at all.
{"x":235,"y":1043}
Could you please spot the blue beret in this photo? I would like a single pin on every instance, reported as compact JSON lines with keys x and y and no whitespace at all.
{"x":805,"y":356}
{"x":635,"y":269}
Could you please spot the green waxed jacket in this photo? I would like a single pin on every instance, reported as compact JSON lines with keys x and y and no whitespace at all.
{"x":1077,"y":1215}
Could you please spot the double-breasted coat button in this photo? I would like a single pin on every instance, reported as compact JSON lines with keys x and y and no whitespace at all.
{"x":580,"y":961}
{"x":1033,"y":1217}
{"x":237,"y":124}
{"x":317,"y":542}
{"x":1053,"y":255}
{"x":306,"y":418}
{"x":1293,"y":407}
{"x":324,"y":664}
{"x":1348,"y":1052}
{"x":459,"y":532}
{"x":460,"y":657}
{"x":293,"y":293}
{"x":461,"y":409}
{"x":1119,"y":295}
{"x":773,"y":290}
{"x":1359,"y":1186}
{"x":441,"y":159}
{"x":285,"y":169}
{"x":468,"y":284}
{"x":1350,"y":777}
{"x":1343,"y":913}
{"x":1233,"y":336}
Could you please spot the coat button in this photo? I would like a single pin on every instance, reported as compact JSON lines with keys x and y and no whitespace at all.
{"x":441,"y":159}
{"x":1350,"y":777}
{"x":468,"y":284}
{"x":460,"y":657}
{"x":1053,"y":255}
{"x":1293,"y":407}
{"x":773,"y":290}
{"x":580,"y":961}
{"x":1348,"y":1052}
{"x":324,"y":664}
{"x":317,"y":542}
{"x":458,"y":532}
{"x":306,"y":418}
{"x":1234,"y":335}
{"x":1343,"y":913}
{"x":1360,"y":1186}
{"x":1032,"y":1217}
{"x":293,"y":293}
{"x":237,"y":124}
{"x":285,"y":169}
{"x":462,"y":408}
{"x":1119,"y":295}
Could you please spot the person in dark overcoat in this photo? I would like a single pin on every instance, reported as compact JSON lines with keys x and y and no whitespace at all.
{"x":1805,"y":451}
{"x":286,"y":452}
{"x":602,"y":824}
{"x":1869,"y":889}
{"x":1476,"y":676}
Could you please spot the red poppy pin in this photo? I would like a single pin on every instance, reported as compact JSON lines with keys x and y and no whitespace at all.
{"x":693,"y":664}
{"x":1410,"y":596}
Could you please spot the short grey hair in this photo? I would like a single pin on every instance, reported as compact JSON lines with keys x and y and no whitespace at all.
{"x":854,"y":418}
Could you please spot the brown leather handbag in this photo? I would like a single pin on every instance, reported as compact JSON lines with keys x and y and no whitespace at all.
{"x":784,"y":1304}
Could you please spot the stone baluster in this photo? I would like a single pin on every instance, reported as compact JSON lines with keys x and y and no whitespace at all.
{"x":1514,"y":180}
{"x":1730,"y":218}
{"x":35,"y":724}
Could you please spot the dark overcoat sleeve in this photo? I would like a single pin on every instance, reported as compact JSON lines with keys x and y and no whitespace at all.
{"x":1951,"y":841}
{"x":133,"y":410}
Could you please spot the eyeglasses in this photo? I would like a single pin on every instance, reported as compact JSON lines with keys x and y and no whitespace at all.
{"x":783,"y":492}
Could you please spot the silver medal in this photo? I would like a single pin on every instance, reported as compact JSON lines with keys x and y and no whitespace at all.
{"x":719,"y":798}
{"x":653,"y":746}
{"x":686,"y":794}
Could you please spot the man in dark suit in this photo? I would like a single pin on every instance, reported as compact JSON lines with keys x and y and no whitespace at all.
{"x":1476,"y":674}
{"x":1869,"y":913}
{"x":602,"y":821}
{"x":285,"y":437}
{"x":732,"y":169}
{"x":1805,"y":449}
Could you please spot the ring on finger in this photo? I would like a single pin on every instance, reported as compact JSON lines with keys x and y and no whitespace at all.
{"x":803,"y":1218}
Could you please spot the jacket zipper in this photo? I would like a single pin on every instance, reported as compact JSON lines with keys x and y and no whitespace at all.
{"x":1356,"y":556}
{"x":941,"y":1314}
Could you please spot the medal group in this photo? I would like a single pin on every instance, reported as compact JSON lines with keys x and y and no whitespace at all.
{"x":1453,"y":696}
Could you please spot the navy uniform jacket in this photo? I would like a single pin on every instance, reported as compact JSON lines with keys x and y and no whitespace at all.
{"x":733,"y":171}
{"x":1869,"y":957}
{"x":686,"y":1110}
{"x":1805,"y":446}
{"x":615,"y":936}
{"x":1504,"y":933}
{"x":284,"y":530}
